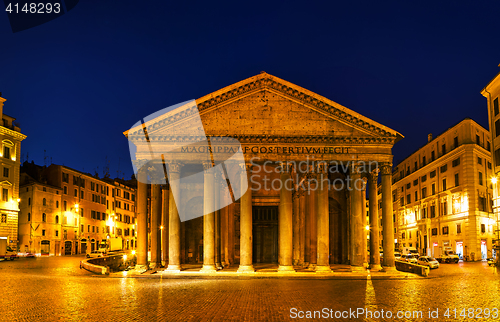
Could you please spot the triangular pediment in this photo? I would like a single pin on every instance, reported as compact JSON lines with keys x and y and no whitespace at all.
{"x":265,"y":105}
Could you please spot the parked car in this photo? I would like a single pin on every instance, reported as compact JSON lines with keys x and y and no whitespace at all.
{"x":428,"y":261}
{"x":491,"y":261}
{"x":409,"y":258}
{"x":96,"y":253}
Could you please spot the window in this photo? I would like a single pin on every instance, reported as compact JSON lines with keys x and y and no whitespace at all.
{"x":483,"y":228}
{"x":415,"y":182}
{"x":65,"y":205}
{"x":5,"y":194}
{"x":432,"y":174}
{"x":416,"y":195}
{"x":424,"y":192}
{"x":478,"y":140}
{"x":65,"y":234}
{"x":65,"y":191}
{"x":455,"y":162}
{"x":408,"y":198}
{"x":402,"y":201}
{"x":423,"y":178}
{"x":82,"y":229}
{"x":480,"y":178}
{"x":497,"y":128}
{"x":6,"y":172}
{"x":479,"y":161}
{"x":97,"y":229}
{"x":57,"y":203}
{"x":445,"y":208}
{"x":29,"y":216}
{"x":488,"y":146}
{"x":76,"y":193}
{"x":423,"y":161}
{"x":29,"y":201}
{"x":495,"y":106}
{"x":65,"y":177}
{"x":82,"y":183}
{"x":444,"y":168}
{"x":445,"y":230}
{"x":433,"y":211}
{"x":44,"y":202}
{"x":497,"y":157}
{"x":4,"y":218}
{"x":43,"y":232}
{"x":88,"y":228}
{"x":424,"y":212}
{"x":444,"y":184}
{"x":44,"y":217}
{"x":457,"y":182}
{"x":6,"y":152}
{"x":443,"y":149}
{"x":433,"y":156}
{"x":434,"y":231}
{"x":455,"y":141}
{"x":481,"y":204}
{"x":408,"y":185}
{"x":93,"y":229}
{"x":489,"y":165}
{"x":81,"y":194}
{"x":92,"y":186}
{"x":57,"y":219}
{"x":459,"y":228}
{"x":403,"y":235}
{"x":416,"y":166}
{"x":81,"y":212}
{"x":57,"y":233}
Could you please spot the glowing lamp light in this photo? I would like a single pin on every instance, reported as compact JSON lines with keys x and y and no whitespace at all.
{"x":124,"y":257}
{"x":133,"y":252}
{"x":161,"y":227}
{"x":367,"y":227}
{"x":494,"y":180}
{"x":18,"y":200}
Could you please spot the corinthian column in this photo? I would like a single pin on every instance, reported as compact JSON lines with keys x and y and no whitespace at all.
{"x":285,"y":221}
{"x":208,"y":220}
{"x":165,"y":224}
{"x":356,"y":227}
{"x":374,"y":231}
{"x":246,"y":255}
{"x":142,"y":217}
{"x":155,"y":218}
{"x":174,"y":227}
{"x":296,"y":227}
{"x":323,"y":220}
{"x":388,"y":233}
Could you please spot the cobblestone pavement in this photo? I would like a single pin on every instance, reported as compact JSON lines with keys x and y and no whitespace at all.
{"x":55,"y":289}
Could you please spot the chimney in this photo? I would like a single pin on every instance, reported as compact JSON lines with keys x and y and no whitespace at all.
{"x":1,"y":104}
{"x":429,"y":137}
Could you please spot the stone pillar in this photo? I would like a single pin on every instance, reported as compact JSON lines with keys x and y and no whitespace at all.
{"x":323,"y":220}
{"x":364,"y":223}
{"x":357,"y":228}
{"x":208,"y":220}
{"x":388,"y":232}
{"x":164,"y":226}
{"x":312,"y":219}
{"x":302,"y":224}
{"x":285,"y":221}
{"x":155,"y":224}
{"x":174,"y":227}
{"x":217,"y":188}
{"x":374,"y":225}
{"x":142,"y":218}
{"x":307,"y":228}
{"x":296,"y":227}
{"x":246,"y":238}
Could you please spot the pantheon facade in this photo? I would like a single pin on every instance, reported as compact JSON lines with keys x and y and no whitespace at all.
{"x":307,"y":167}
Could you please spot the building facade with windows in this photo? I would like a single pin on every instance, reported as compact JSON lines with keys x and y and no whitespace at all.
{"x":65,"y":211}
{"x":492,"y":93}
{"x":442,"y":194}
{"x":10,"y":154}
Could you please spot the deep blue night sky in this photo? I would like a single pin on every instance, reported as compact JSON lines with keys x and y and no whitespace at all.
{"x":77,"y":82}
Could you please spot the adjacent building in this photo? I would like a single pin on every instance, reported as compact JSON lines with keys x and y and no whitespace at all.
{"x":65,"y":211}
{"x":10,"y":154}
{"x":442,"y":194}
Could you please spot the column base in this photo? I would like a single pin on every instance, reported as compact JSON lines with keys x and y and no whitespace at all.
{"x":218,"y":266}
{"x":154,"y":265}
{"x":311,"y":266}
{"x":322,"y":269}
{"x":164,"y":263}
{"x":389,"y":269}
{"x":208,"y":269}
{"x":306,"y":264}
{"x":375,"y":267}
{"x":358,"y":269}
{"x":286,"y":269}
{"x":173,"y":268}
{"x":140,"y":269}
{"x":246,"y":269}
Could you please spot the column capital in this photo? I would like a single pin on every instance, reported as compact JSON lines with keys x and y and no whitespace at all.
{"x":374,"y":176}
{"x":140,"y":164}
{"x":357,"y":167}
{"x":285,"y":167}
{"x":174,"y":166}
{"x":386,"y":168}
{"x":207,"y":165}
{"x":321,"y":167}
{"x":156,"y":173}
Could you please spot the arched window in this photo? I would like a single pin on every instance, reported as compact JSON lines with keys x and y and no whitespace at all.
{"x":44,"y":202}
{"x":29,"y":216}
{"x":57,"y":203}
{"x":44,"y":217}
{"x":57,"y":219}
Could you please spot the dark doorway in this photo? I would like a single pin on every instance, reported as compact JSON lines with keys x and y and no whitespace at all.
{"x":67,"y":247}
{"x":265,"y":234}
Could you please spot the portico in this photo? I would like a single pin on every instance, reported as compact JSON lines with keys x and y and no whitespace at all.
{"x":308,"y":162}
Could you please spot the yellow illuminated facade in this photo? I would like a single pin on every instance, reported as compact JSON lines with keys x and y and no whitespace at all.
{"x":442,"y":194}
{"x":10,"y":153}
